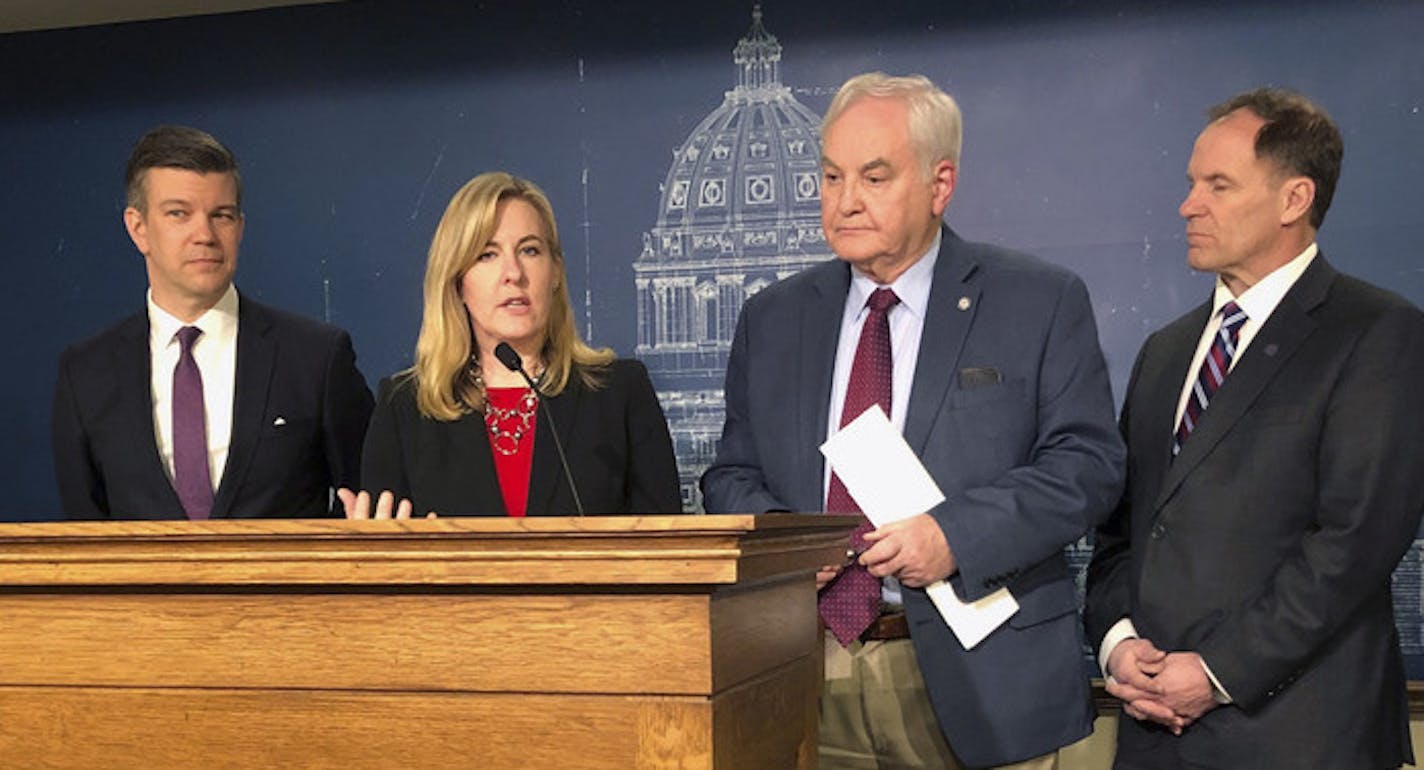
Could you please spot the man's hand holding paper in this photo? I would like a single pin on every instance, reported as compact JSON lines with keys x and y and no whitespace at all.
{"x":892,"y":487}
{"x":913,"y":551}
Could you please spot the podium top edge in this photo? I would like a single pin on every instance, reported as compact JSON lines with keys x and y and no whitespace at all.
{"x":650,"y":525}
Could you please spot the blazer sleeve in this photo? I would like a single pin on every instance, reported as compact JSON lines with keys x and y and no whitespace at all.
{"x":1109,"y":579}
{"x":81,"y":487}
{"x":1070,"y":477}
{"x":382,"y":456}
{"x":1369,"y":498}
{"x":652,"y":484}
{"x":346,"y":412}
{"x":735,"y":482}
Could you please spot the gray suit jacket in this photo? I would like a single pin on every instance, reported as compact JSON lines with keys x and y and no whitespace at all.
{"x":1267,"y":544}
{"x":1029,"y":461}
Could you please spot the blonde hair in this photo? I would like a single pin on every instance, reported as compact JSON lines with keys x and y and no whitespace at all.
{"x":444,"y":380}
{"x":936,"y":126}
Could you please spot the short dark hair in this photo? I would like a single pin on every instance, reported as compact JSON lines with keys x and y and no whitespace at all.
{"x":1298,"y":137}
{"x":176,"y":147}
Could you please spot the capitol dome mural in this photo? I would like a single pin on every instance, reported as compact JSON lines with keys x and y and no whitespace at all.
{"x":738,"y":210}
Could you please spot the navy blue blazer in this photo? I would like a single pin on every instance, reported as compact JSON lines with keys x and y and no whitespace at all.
{"x":300,"y":409}
{"x":1267,"y":545}
{"x":615,"y":437}
{"x":1028,"y":458}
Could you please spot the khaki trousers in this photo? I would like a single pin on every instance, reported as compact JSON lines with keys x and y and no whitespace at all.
{"x":875,"y":714}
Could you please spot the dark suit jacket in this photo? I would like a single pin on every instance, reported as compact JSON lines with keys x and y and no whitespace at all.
{"x":1028,"y":464}
{"x":1267,"y":545}
{"x":288,"y":367}
{"x":615,"y":437}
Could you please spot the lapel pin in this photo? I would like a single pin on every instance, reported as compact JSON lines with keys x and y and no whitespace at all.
{"x":280,"y":421}
{"x":963,"y":303}
{"x":1272,"y":349}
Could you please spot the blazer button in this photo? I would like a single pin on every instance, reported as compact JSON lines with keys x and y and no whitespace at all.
{"x":1159,"y":531}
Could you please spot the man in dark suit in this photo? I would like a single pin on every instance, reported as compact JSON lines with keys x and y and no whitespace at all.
{"x":207,"y":404}
{"x":1240,"y":595}
{"x":999,"y":387}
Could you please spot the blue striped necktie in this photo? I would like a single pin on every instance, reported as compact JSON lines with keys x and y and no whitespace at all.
{"x":1213,"y":372}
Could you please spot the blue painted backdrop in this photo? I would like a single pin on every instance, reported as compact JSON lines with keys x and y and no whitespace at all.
{"x":354,"y":123}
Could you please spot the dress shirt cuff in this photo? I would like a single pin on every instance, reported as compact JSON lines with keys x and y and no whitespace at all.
{"x":1218,"y":693}
{"x":1120,"y":632}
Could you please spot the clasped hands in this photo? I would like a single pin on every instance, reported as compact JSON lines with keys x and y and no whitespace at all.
{"x":913,"y":551}
{"x":1171,"y":689}
{"x":358,"y":506}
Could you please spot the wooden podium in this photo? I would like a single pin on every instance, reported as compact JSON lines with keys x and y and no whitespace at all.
{"x":599,"y":642}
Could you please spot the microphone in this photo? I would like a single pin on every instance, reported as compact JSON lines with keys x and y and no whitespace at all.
{"x":510,"y":358}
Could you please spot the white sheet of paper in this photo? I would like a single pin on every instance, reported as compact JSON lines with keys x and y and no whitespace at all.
{"x":889,"y":482}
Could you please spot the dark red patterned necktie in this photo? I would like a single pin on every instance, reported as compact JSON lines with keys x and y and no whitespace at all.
{"x":851,"y":602}
{"x":1213,"y":372}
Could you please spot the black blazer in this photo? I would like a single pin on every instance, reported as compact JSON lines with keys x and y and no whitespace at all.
{"x":1267,"y":545}
{"x":300,"y":409}
{"x":616,"y":439}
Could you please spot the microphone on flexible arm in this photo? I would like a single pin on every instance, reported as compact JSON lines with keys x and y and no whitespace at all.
{"x":508,"y":356}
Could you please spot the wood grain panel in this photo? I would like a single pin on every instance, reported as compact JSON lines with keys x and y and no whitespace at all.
{"x":770,"y":721}
{"x":159,"y":729}
{"x":762,"y":627}
{"x":509,"y":643}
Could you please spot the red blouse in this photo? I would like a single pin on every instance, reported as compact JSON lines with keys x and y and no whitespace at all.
{"x":512,"y":469}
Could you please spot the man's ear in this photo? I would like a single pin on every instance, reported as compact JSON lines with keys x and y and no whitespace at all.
{"x":138,"y":229}
{"x":944,"y":177}
{"x":1297,"y":197}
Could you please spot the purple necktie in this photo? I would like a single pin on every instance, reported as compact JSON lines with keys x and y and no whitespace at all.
{"x":851,"y":602}
{"x":1213,"y":372}
{"x":191,"y":478}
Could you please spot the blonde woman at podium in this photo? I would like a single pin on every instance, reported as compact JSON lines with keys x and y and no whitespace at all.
{"x":506,"y":412}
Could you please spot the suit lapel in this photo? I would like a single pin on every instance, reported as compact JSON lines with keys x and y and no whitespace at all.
{"x":256,"y":357}
{"x":1289,"y":326}
{"x":1163,"y":382}
{"x":947,"y":322}
{"x":131,"y":363}
{"x":820,"y":320}
{"x":547,"y":485}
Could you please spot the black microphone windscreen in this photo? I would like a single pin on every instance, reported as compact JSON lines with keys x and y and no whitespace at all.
{"x":507,"y":356}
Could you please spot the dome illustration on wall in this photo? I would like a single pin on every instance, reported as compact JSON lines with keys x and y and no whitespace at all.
{"x":738,"y":210}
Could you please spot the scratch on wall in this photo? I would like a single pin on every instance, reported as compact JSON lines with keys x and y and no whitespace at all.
{"x":586,"y":225}
{"x":587,"y":253}
{"x":420,"y":198}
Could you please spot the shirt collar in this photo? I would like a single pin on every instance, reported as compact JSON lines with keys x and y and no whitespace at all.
{"x":912,"y":287}
{"x":219,"y":320}
{"x":1261,"y":300}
